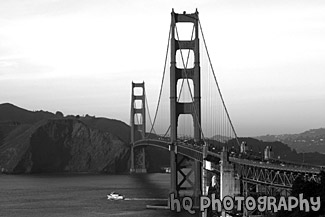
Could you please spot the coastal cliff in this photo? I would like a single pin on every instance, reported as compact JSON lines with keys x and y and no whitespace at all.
{"x":62,"y":145}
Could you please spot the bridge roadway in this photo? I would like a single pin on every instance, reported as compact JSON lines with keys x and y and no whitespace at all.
{"x":269,"y":174}
{"x":194,"y":152}
{"x":190,"y":151}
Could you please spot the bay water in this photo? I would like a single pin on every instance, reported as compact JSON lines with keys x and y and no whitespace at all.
{"x":78,"y":195}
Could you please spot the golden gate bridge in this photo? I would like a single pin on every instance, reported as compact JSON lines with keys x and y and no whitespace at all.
{"x":195,"y":127}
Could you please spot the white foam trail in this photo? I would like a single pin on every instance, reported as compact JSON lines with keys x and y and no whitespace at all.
{"x":147,"y":199}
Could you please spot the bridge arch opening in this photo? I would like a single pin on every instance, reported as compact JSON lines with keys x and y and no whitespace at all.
{"x":138,"y":104}
{"x":185,"y":127}
{"x":138,"y":91}
{"x":138,"y":118}
{"x":185,"y":89}
{"x":185,"y":30}
{"x":187,"y":55}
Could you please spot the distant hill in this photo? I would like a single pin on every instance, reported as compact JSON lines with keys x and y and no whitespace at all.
{"x":62,"y":145}
{"x":18,"y":126}
{"x":220,"y":138}
{"x":12,"y":113}
{"x":25,"y":135}
{"x":281,"y":150}
{"x":12,"y":116}
{"x":309,"y":141}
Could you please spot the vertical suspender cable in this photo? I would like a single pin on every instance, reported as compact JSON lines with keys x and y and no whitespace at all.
{"x":147,"y":105}
{"x":228,"y":116}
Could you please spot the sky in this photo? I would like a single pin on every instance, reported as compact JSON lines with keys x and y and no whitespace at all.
{"x":80,"y":57}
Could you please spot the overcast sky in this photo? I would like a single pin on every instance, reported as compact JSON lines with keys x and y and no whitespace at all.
{"x":80,"y":57}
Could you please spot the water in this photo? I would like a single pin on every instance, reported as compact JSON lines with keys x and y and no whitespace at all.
{"x":82,"y":195}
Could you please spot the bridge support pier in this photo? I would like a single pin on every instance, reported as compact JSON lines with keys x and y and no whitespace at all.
{"x":205,"y":176}
{"x":197,"y":184}
{"x":185,"y":176}
{"x":132,"y":168}
{"x":173,"y":171}
{"x":228,"y":184}
{"x":140,"y":157}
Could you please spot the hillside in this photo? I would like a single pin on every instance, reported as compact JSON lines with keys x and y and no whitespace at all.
{"x":14,"y":114}
{"x":309,"y":141}
{"x":19,"y":128}
{"x":116,"y":127}
{"x":62,"y":145}
{"x":39,"y":141}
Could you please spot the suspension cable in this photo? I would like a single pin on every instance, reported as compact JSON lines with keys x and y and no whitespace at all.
{"x":162,"y":81}
{"x":167,"y":131}
{"x":215,"y":79}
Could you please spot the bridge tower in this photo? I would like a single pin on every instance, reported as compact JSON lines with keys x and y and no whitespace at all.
{"x":178,"y":163}
{"x":138,"y":157}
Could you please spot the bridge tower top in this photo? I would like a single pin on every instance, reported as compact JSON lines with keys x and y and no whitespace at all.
{"x":138,"y":111}
{"x":177,"y":108}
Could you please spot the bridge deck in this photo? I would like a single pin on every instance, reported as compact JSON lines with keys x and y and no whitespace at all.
{"x":272,"y":166}
{"x":195,"y":152}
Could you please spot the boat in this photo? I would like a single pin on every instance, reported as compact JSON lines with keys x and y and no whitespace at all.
{"x":115,"y":196}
